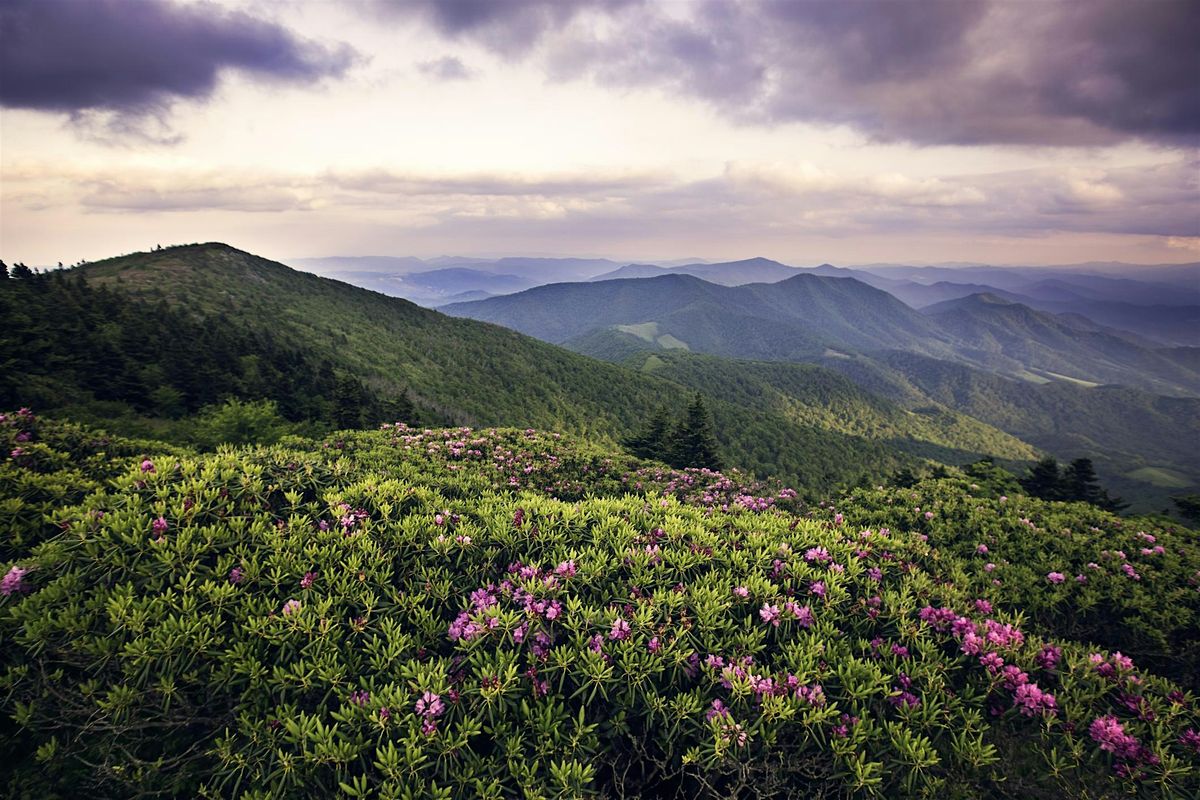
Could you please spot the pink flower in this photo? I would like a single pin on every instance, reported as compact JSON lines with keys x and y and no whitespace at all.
{"x":1032,"y":701}
{"x":741,"y":591}
{"x":1055,"y":577}
{"x":430,"y":706}
{"x":620,"y":629}
{"x":817,"y":588}
{"x":291,"y":607}
{"x":307,"y":580}
{"x":160,"y":527}
{"x":982,"y":549}
{"x":148,"y":466}
{"x":236,"y":575}
{"x":718,"y":710}
{"x":11,"y":583}
{"x":1108,"y":732}
{"x":654,"y":646}
{"x":769,"y":614}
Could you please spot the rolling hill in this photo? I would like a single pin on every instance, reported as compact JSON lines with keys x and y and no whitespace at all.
{"x":468,"y":372}
{"x":804,"y":315}
{"x":1010,"y":337}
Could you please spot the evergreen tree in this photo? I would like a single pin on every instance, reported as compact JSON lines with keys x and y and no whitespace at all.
{"x":1188,"y":506}
{"x":1079,"y":482}
{"x":1044,"y":480}
{"x":694,"y":444}
{"x":21,"y":271}
{"x":3,"y":271}
{"x":651,"y":441}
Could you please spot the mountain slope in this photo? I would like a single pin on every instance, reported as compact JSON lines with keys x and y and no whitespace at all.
{"x":806,"y":314}
{"x":482,"y":374}
{"x":1011,"y":337}
{"x":1135,"y":438}
{"x":816,"y":396}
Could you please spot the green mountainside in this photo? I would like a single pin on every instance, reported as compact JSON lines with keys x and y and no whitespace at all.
{"x":448,"y":369}
{"x":1144,"y":444}
{"x":1010,"y":337}
{"x":1052,"y":388}
{"x":801,"y":316}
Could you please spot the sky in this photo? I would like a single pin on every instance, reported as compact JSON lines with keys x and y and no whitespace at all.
{"x":913,"y":131}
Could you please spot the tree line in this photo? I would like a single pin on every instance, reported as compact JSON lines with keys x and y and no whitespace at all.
{"x":686,"y":441}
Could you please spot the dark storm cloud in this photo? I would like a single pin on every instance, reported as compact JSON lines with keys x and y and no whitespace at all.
{"x":923,"y":71}
{"x":135,"y":57}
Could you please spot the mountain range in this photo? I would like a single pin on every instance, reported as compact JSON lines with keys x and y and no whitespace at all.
{"x":816,"y":428}
{"x":821,"y":379}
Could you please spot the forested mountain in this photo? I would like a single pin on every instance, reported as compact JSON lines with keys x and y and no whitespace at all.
{"x":450,"y":370}
{"x":1143,"y":444}
{"x":1009,"y":337}
{"x":999,"y":350}
{"x":805,"y":314}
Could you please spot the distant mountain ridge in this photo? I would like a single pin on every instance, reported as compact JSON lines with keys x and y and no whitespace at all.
{"x":806,"y":315}
{"x":474,"y":373}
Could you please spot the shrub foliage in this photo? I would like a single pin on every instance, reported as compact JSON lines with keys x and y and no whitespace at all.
{"x":499,"y":613}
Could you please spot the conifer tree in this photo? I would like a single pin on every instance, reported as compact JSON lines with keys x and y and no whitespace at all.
{"x":3,"y":271}
{"x":651,"y":441}
{"x":694,"y":444}
{"x":1188,"y":506}
{"x":1044,"y":480}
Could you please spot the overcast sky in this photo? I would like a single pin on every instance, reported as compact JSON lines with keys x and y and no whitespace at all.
{"x":919,"y":131}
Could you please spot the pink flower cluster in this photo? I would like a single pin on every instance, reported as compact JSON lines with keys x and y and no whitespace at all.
{"x":430,"y":706}
{"x":12,"y":582}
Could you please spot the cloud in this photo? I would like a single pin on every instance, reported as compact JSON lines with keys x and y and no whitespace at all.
{"x":507,"y":26}
{"x":956,"y":72}
{"x":447,"y":68}
{"x":115,"y":64}
{"x":745,"y":200}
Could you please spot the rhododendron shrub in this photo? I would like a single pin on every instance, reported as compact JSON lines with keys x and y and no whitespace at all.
{"x":1070,"y":570}
{"x":496,"y":614}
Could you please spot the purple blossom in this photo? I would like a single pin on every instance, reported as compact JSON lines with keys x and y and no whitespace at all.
{"x":769,"y":614}
{"x":718,"y":710}
{"x":1108,"y":732}
{"x":741,"y":591}
{"x":307,"y":580}
{"x":360,"y":698}
{"x":11,"y":583}
{"x":236,"y":575}
{"x":148,"y":466}
{"x":817,"y":588}
{"x":1055,"y":577}
{"x":1032,"y":700}
{"x":620,"y":629}
{"x":291,"y":607}
{"x":430,"y":706}
{"x":160,"y":526}
{"x":654,"y":645}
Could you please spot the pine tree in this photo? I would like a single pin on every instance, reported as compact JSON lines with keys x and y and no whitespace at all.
{"x":3,"y":271}
{"x":694,"y":444}
{"x":21,"y":271}
{"x":1044,"y":480}
{"x":1079,"y":482}
{"x":651,"y":441}
{"x":1188,"y":506}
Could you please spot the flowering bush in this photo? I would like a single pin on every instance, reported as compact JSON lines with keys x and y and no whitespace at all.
{"x":1071,"y":570}
{"x":499,"y":614}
